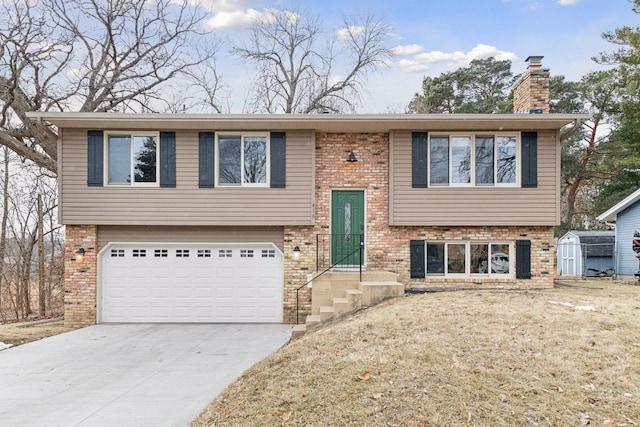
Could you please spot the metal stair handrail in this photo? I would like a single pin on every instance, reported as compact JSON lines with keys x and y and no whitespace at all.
{"x":360,"y":248}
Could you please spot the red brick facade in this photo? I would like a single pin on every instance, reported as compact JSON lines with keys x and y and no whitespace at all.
{"x":387,"y":247}
{"x":80,"y":276}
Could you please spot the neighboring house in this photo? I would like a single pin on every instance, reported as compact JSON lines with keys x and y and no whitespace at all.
{"x":220,"y":218}
{"x":626,"y":215}
{"x":586,"y":253}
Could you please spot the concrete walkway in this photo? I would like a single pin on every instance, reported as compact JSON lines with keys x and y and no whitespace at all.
{"x":128,"y":375}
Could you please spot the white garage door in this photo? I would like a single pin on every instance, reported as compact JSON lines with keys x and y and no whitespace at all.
{"x":191,"y":283}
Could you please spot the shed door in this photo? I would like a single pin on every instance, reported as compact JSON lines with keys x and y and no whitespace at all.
{"x":570,"y":260}
{"x":191,"y":283}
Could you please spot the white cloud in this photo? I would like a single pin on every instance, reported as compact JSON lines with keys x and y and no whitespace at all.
{"x":348,"y":33}
{"x":226,"y":5}
{"x":483,"y":51}
{"x":238,"y":18}
{"x":412,"y":66}
{"x":243,"y":18}
{"x":569,"y":2}
{"x":410,"y":49}
{"x":238,"y":13}
{"x":438,"y":56}
{"x":420,"y":61}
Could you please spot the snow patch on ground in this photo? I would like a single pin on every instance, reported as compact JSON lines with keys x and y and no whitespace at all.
{"x":577,"y":307}
{"x":4,"y":346}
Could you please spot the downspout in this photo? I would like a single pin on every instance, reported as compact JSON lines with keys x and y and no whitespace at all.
{"x":577,"y":123}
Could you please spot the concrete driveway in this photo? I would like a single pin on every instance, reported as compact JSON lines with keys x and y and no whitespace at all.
{"x":128,"y":375}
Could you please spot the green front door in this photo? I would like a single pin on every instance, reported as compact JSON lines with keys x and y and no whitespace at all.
{"x":347,"y":225}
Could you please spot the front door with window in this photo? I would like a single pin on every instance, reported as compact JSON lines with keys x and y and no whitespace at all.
{"x":347,"y":225}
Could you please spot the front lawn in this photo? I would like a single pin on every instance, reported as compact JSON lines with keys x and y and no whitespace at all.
{"x":566,"y":356}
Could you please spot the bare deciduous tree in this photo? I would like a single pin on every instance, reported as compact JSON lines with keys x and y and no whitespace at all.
{"x":29,"y":218}
{"x":92,"y":55}
{"x":299,"y":70}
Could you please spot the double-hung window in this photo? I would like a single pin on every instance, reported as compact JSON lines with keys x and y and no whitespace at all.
{"x":132,"y":158}
{"x":243,"y":160}
{"x":478,"y":159}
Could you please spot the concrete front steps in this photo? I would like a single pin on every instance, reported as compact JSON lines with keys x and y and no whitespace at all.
{"x":336,"y":294}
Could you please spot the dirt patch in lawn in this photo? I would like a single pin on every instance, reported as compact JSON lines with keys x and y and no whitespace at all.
{"x":24,"y":332}
{"x":566,"y":356}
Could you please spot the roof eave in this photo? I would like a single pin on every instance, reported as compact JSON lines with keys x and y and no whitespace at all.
{"x":612,"y":214}
{"x":320,"y":122}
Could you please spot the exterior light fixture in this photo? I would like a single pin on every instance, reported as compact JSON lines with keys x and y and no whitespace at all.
{"x":352,"y":157}
{"x":80,"y":254}
{"x":296,"y":253}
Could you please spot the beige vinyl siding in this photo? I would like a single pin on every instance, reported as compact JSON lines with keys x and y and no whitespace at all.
{"x":469,"y":206}
{"x":187,"y":204}
{"x":188,"y":234}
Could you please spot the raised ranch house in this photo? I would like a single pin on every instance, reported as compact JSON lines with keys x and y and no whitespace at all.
{"x":221,"y":218}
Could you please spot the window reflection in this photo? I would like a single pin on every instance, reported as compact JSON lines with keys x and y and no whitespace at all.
{"x":439,"y":160}
{"x":229,"y":152}
{"x":461,"y":160}
{"x":506,"y":147}
{"x":435,"y":259}
{"x":456,"y":258}
{"x":255,"y":159}
{"x":119,"y":159}
{"x":479,"y":258}
{"x":144,"y":155}
{"x":484,"y":160}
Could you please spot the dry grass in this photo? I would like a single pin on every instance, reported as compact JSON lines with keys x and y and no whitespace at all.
{"x":468,"y":358}
{"x":24,"y":332}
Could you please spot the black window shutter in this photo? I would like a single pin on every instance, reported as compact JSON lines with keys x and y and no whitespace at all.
{"x":278,"y":160}
{"x":416,"y":259}
{"x":419,"y":160}
{"x":206,"y":156}
{"x":523,"y":259}
{"x":95,"y":158}
{"x":168,"y":159}
{"x":529,"y":159}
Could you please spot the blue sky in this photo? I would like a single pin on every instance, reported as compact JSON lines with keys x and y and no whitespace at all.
{"x":434,"y":36}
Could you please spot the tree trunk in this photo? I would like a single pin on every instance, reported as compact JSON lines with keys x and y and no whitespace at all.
{"x":5,"y":214}
{"x":52,"y":262}
{"x":41,"y":287}
{"x":572,"y":191}
{"x":26,"y":274}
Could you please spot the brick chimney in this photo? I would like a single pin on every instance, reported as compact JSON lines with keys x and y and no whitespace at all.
{"x":531,"y":91}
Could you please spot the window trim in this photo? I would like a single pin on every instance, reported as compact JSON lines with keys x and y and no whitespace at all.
{"x":467,"y":262}
{"x":131,"y":134}
{"x":473,"y":136}
{"x":242,"y":135}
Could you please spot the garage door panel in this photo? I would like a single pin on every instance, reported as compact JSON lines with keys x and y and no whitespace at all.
{"x":191,"y":283}
{"x":225,"y":272}
{"x":203,"y":292}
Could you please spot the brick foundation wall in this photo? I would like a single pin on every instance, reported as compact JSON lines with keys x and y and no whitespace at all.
{"x":542,"y":255}
{"x":80,"y":276}
{"x":296,"y":271}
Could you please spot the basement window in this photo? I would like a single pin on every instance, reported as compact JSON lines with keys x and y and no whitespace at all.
{"x":494,"y":259}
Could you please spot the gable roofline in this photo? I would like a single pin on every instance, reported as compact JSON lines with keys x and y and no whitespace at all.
{"x":588,"y":233}
{"x":339,"y":123}
{"x":612,"y":214}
